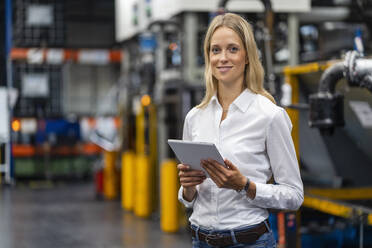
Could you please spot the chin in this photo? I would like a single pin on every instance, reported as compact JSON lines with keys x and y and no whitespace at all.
{"x":224,"y":79}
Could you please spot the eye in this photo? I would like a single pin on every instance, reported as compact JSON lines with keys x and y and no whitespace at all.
{"x":234,"y":49}
{"x":215,"y":50}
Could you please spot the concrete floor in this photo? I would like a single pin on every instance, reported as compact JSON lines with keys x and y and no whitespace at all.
{"x":70,"y":216}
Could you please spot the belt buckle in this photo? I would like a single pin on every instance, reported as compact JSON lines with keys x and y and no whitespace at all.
{"x":212,"y":237}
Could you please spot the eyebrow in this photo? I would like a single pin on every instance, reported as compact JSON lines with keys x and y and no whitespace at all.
{"x":230,"y":44}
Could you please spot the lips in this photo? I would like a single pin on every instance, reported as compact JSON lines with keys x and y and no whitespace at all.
{"x":224,"y":68}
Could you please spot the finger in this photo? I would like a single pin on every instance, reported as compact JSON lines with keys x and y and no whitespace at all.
{"x":186,"y":175}
{"x":181,"y":173}
{"x":230,"y":165}
{"x":193,"y":173}
{"x":183,"y":167}
{"x":221,"y":168}
{"x":216,"y":178}
{"x":191,"y":184}
{"x":191,"y":179}
{"x":218,"y":169}
{"x":210,"y":169}
{"x":187,"y":183}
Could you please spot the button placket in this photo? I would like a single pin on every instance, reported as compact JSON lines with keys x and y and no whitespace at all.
{"x":218,"y":116}
{"x":219,"y":146}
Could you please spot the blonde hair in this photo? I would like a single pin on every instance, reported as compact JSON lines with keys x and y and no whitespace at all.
{"x":254,"y":73}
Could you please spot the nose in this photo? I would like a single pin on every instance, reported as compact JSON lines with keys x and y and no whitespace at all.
{"x":223,"y":57}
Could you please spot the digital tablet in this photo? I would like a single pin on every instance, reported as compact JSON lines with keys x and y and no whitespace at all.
{"x":191,"y":153}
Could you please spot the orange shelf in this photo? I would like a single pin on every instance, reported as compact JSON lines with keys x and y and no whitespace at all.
{"x":95,"y":55}
{"x":29,"y":150}
{"x":91,"y":149}
{"x":23,"y":150}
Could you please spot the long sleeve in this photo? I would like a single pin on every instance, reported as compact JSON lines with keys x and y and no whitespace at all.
{"x":287,"y":193}
{"x":186,"y":136}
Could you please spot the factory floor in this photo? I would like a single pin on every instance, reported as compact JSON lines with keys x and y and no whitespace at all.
{"x":69,"y":215}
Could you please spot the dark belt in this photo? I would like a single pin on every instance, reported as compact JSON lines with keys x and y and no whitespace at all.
{"x":244,"y":237}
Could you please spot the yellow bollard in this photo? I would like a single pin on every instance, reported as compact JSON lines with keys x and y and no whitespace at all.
{"x":110,"y":176}
{"x":153,"y":155}
{"x":142,"y":207}
{"x":169,"y":209}
{"x":128,"y":174}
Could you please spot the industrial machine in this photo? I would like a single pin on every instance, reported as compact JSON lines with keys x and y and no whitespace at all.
{"x":326,"y":106}
{"x":335,"y":162}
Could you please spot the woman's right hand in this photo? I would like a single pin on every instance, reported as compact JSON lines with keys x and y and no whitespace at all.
{"x":189,"y":178}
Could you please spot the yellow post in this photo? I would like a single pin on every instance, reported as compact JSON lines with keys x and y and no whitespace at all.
{"x":142,"y":207}
{"x":153,"y":153}
{"x":140,"y":131}
{"x":128,"y":182}
{"x":294,"y":114}
{"x":169,"y":219}
{"x":110,"y":176}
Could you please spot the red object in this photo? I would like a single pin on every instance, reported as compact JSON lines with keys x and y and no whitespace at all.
{"x":98,"y":179}
{"x":281,"y":230}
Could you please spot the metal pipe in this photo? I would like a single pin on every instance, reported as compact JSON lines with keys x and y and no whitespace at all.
{"x":330,"y":77}
{"x":361,"y":232}
{"x":9,"y":77}
{"x":360,"y":74}
{"x":356,"y":70}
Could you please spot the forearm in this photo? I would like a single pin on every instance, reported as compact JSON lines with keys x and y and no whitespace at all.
{"x":189,"y":194}
{"x":278,"y":196}
{"x":250,"y":191}
{"x":185,"y":202}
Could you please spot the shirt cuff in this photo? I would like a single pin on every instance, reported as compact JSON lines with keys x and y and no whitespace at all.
{"x":262,"y":193}
{"x":184,"y":201}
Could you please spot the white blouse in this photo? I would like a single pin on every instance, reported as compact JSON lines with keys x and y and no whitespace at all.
{"x":256,"y":137}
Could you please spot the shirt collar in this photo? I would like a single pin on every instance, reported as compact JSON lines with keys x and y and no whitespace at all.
{"x":242,"y":102}
{"x":214,"y":98}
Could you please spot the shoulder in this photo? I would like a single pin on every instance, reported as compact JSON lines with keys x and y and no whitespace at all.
{"x":192,"y":114}
{"x":267,"y":107}
{"x":273,"y":112}
{"x":276,"y":115}
{"x":196,"y":113}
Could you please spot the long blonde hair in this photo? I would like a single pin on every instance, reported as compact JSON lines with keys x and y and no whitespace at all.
{"x":254,"y":72}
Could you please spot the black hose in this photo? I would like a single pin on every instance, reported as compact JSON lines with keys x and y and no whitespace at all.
{"x":222,"y":4}
{"x":330,"y":77}
{"x":367,"y":82}
{"x":267,"y":5}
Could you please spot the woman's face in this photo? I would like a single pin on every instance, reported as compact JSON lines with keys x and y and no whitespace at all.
{"x":227,"y":56}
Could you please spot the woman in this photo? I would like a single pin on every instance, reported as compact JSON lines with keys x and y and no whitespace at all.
{"x":251,"y":132}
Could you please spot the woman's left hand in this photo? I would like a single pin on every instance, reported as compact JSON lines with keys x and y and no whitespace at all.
{"x":223,"y":177}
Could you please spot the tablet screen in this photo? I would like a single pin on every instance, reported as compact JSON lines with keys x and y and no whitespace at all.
{"x":191,"y":153}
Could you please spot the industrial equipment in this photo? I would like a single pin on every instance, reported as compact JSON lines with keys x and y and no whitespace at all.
{"x":326,"y":106}
{"x":335,"y":169}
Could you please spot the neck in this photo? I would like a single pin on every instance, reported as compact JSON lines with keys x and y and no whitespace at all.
{"x":226,"y":94}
